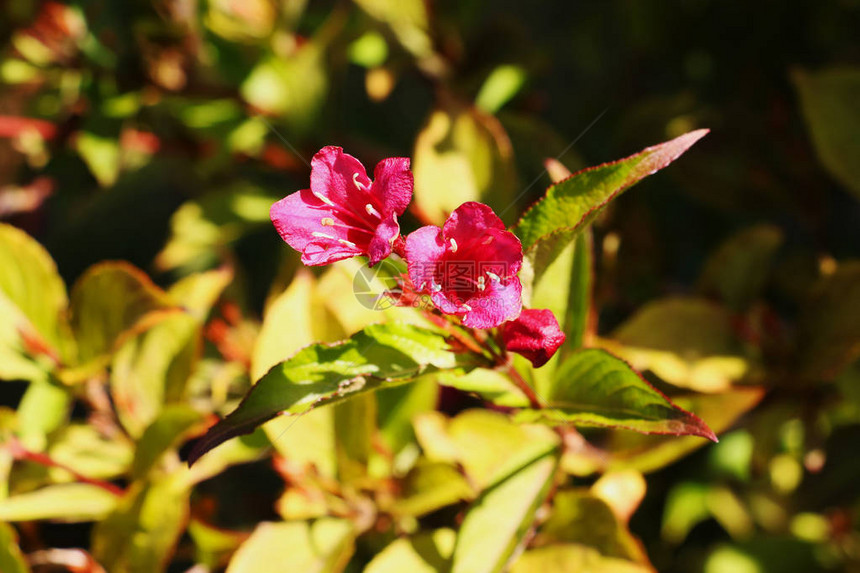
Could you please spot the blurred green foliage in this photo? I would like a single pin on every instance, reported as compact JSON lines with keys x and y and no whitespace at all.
{"x":143,"y":290}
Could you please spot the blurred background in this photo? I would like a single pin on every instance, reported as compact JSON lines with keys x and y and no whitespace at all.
{"x":160,"y":132}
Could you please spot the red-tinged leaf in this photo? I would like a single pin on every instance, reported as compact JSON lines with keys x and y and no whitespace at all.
{"x":569,"y":205}
{"x":595,"y":388}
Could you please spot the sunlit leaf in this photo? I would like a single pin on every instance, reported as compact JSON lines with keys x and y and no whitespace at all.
{"x":430,"y":486}
{"x":507,"y":510}
{"x":428,"y":552}
{"x":153,"y":368}
{"x":213,"y":546}
{"x":379,"y":356}
{"x":595,"y":388}
{"x":197,"y":293}
{"x":44,"y":407}
{"x":408,"y":20}
{"x":829,"y":102}
{"x":82,"y":448}
{"x":200,"y":229}
{"x":462,"y":155}
{"x":568,"y":206}
{"x":11,"y":558}
{"x":293,"y":88}
{"x":166,"y":431}
{"x":107,"y":301}
{"x":829,"y":328}
{"x":30,"y":283}
{"x":141,"y":533}
{"x":737,"y":270}
{"x":582,"y":518}
{"x":687,"y":342}
{"x":64,"y":502}
{"x":566,"y":557}
{"x":324,"y":546}
{"x":501,"y":85}
{"x":101,"y":153}
{"x":489,"y":384}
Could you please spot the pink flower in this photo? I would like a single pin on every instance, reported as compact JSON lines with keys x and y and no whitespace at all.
{"x":469,"y":266}
{"x":535,"y":334}
{"x":344,"y":213}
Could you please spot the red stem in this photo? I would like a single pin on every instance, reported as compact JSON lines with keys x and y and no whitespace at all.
{"x":19,"y":452}
{"x":525,"y":387}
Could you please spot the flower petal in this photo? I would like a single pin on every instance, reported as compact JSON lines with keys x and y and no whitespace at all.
{"x":392,"y":184}
{"x":500,"y":302}
{"x":424,"y":251}
{"x":335,"y":175}
{"x":535,"y":334}
{"x":300,"y":219}
{"x":381,"y":243}
{"x":471,"y":220}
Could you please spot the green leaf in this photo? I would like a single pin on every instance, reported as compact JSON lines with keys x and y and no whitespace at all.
{"x":688,"y":342}
{"x":594,"y":388}
{"x":29,"y":282}
{"x":462,"y":155}
{"x":490,"y":385}
{"x":501,"y":86}
{"x":738,"y":269}
{"x":197,"y":293}
{"x":109,"y":300}
{"x":11,"y":558}
{"x":83,"y":448}
{"x":65,"y":502}
{"x":379,"y":356}
{"x":399,"y":405}
{"x":829,"y":102}
{"x":408,"y":20}
{"x":324,"y":546}
{"x":141,"y":533}
{"x":568,"y":206}
{"x":167,"y":431}
{"x":44,"y":407}
{"x":430,"y":486}
{"x":580,"y":517}
{"x":213,"y":546}
{"x":152,"y":368}
{"x":572,"y":557}
{"x":201,"y":229}
{"x":829,"y":328}
{"x":491,"y":447}
{"x":507,"y":510}
{"x":292,"y":88}
{"x":101,"y":153}
{"x":426,"y":552}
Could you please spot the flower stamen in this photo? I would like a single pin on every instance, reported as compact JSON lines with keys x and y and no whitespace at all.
{"x":371,"y":211}
{"x":327,"y":222}
{"x":323,"y":198}
{"x":493,"y":276}
{"x":358,"y":185}
{"x":319,"y":235}
{"x":453,"y":245}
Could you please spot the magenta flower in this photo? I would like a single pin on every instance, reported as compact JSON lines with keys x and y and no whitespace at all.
{"x":535,"y":334}
{"x":469,"y":266}
{"x":344,"y":213}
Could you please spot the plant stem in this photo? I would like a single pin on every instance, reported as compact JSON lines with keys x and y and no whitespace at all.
{"x":19,"y":452}
{"x":524,"y":386}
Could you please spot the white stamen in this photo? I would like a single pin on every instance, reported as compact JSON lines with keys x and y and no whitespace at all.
{"x":488,"y":240}
{"x":493,"y":276}
{"x":423,"y":284}
{"x":453,"y":245}
{"x":323,"y":198}
{"x":467,"y":307}
{"x":481,"y":285}
{"x":349,"y":244}
{"x":322,"y":236}
{"x":327,"y":222}
{"x":357,"y":184}
{"x":371,"y":211}
{"x":435,"y":287}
